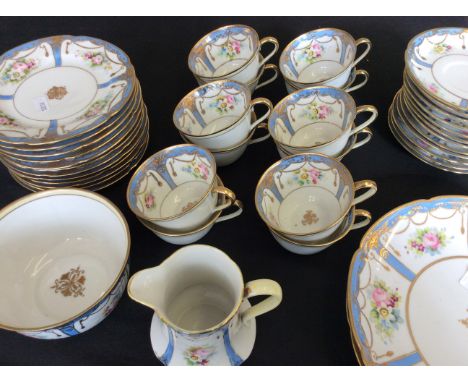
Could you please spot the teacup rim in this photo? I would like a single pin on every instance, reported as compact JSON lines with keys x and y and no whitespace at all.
{"x":306,"y":33}
{"x":224,"y":129}
{"x":255,"y":33}
{"x":335,"y":222}
{"x":296,"y":92}
{"x":348,"y":82}
{"x":213,"y":328}
{"x":18,"y":203}
{"x":149,"y":159}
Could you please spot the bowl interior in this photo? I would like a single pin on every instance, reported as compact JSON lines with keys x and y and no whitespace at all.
{"x":60,"y":254}
{"x":211,"y":108}
{"x":312,"y":116}
{"x":223,"y":51}
{"x":171,"y":182}
{"x":318,"y":55}
{"x":304,"y":194}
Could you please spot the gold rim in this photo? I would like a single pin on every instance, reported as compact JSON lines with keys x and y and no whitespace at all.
{"x":337,"y":221}
{"x":70,"y":191}
{"x":234,"y":71}
{"x":164,"y":319}
{"x":314,"y":31}
{"x":167,"y":149}
{"x":361,"y":245}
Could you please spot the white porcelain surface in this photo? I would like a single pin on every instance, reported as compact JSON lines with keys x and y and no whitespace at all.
{"x":62,"y":252}
{"x":202,"y":316}
{"x":412,"y":258}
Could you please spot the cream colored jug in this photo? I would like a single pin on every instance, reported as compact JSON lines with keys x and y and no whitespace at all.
{"x":202,"y":313}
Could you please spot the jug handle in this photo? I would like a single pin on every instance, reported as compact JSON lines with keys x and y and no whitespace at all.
{"x":262,"y":287}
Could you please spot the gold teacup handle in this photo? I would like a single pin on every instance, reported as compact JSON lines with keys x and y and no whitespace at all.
{"x":361,"y":184}
{"x":362,"y":223}
{"x":262,"y":287}
{"x":361,"y":41}
{"x":365,"y":109}
{"x":270,"y":80}
{"x":262,"y":138}
{"x":229,"y":196}
{"x":368,"y":136}
{"x":262,"y":101}
{"x":237,"y":212}
{"x":270,"y":40}
{"x":359,"y":72}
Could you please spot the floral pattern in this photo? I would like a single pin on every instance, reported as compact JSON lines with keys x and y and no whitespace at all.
{"x":96,"y":59}
{"x":230,"y":49}
{"x":71,"y":283}
{"x":96,"y":108}
{"x":385,"y":313}
{"x":5,"y":120}
{"x":312,"y":52}
{"x":427,"y":241}
{"x":18,"y":70}
{"x":198,"y":355}
{"x":315,"y":112}
{"x":149,"y":200}
{"x":441,"y":48}
{"x":304,"y":177}
{"x":198,"y":170}
{"x":433,"y":88}
{"x":223,"y":103}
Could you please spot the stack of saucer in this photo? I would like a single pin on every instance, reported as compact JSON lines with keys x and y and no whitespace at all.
{"x":429,"y":114}
{"x":323,"y":57}
{"x":71,"y":113}
{"x":307,"y":201}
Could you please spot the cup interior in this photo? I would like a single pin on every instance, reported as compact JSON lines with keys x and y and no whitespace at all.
{"x":304,"y":194}
{"x":312,"y":116}
{"x":171,"y":182}
{"x":61,"y":252}
{"x":223,"y":51}
{"x":212,"y":108}
{"x":203,"y":287}
{"x":318,"y":55}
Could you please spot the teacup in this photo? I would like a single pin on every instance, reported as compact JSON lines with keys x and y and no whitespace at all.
{"x":318,"y":119}
{"x":306,"y":196}
{"x":64,"y":262}
{"x":218,"y":115}
{"x":230,"y":52}
{"x":202,"y":315}
{"x":176,"y":188}
{"x":310,"y":248}
{"x":231,"y":154}
{"x":324,"y":56}
{"x":353,"y":143}
{"x":184,"y":238}
{"x":348,"y":86}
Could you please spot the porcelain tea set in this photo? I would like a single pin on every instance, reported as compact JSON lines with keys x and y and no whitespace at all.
{"x":65,"y":251}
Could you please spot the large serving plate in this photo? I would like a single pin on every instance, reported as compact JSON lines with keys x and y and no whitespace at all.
{"x":61,"y":86}
{"x":408,"y":286}
{"x":437,"y":60}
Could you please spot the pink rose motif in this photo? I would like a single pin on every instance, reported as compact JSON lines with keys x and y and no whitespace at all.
{"x":431,"y":240}
{"x":314,"y":175}
{"x":20,"y":66}
{"x":230,"y":99}
{"x":433,"y":88}
{"x":323,"y":111}
{"x":31,"y":64}
{"x":380,"y":297}
{"x":204,"y":170}
{"x":236,"y":46}
{"x":88,"y":55}
{"x":97,"y":60}
{"x":317,"y":49}
{"x":4,"y":121}
{"x":149,"y":201}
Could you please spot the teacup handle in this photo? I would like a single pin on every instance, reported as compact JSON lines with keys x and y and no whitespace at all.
{"x":365,"y":109}
{"x":360,"y":41}
{"x":273,"y":41}
{"x":362,"y":223}
{"x":370,"y":185}
{"x":368,"y":136}
{"x":262,"y":101}
{"x":228,"y":194}
{"x":262,"y":138}
{"x":270,"y":80}
{"x":359,"y":72}
{"x":262,"y":287}
{"x":237,"y":212}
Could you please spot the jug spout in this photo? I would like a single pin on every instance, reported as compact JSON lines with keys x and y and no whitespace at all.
{"x":147,"y":287}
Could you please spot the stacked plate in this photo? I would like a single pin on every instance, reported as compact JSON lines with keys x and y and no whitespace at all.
{"x":71,"y":113}
{"x":429,"y":114}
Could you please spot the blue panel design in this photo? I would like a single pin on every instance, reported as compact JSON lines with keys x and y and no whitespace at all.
{"x":234,"y":358}
{"x":52,"y":127}
{"x":57,"y":54}
{"x":110,"y":82}
{"x":407,"y":361}
{"x":399,"y":267}
{"x":464,"y":103}
{"x":6,"y":97}
{"x":167,"y":356}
